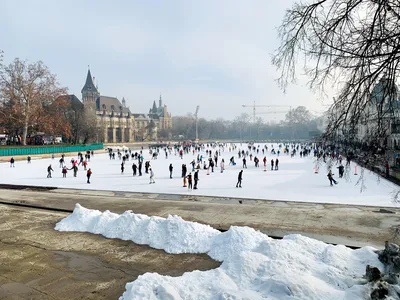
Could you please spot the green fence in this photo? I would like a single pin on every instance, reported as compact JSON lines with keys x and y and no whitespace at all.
{"x":49,"y":149}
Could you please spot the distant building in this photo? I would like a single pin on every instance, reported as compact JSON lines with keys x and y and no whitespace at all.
{"x":160,"y":115}
{"x":119,"y":123}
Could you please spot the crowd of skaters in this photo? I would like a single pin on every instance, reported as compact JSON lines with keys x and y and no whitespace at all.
{"x":209,"y":161}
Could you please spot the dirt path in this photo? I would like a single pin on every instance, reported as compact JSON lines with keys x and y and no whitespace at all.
{"x":38,"y":262}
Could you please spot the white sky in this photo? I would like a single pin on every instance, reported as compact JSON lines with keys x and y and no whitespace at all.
{"x":216,"y":54}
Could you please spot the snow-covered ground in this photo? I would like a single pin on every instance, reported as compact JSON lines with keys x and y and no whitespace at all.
{"x":254,"y":266}
{"x":295,"y":180}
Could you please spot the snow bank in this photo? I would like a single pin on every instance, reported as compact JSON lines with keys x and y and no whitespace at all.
{"x":254,"y":265}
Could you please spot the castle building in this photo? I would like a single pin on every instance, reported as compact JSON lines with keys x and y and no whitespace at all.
{"x":119,"y":124}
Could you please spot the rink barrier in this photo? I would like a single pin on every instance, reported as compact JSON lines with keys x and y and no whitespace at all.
{"x":48,"y":149}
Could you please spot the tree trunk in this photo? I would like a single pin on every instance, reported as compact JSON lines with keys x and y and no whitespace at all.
{"x":25,"y":132}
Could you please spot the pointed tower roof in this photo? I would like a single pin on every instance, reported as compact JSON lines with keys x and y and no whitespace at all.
{"x":89,"y":85}
{"x":154,"y":110}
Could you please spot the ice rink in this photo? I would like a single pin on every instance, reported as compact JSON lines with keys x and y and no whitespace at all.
{"x":294,"y":181}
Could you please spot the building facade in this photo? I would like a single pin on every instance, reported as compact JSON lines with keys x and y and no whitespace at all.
{"x":116,"y":120}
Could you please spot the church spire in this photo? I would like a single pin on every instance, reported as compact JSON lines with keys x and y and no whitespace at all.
{"x":89,"y":90}
{"x":89,"y":85}
{"x":154,"y":110}
{"x":160,"y":102}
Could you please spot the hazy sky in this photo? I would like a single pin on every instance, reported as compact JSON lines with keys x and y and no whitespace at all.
{"x":212,"y":53}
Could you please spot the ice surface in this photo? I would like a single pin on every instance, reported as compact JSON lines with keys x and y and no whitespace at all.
{"x":295,"y":180}
{"x":254,"y":266}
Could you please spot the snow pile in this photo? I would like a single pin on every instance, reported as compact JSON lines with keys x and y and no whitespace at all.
{"x":254,"y":265}
{"x":174,"y":235}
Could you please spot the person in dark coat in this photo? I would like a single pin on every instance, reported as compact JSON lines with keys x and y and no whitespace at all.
{"x":240,"y":178}
{"x":140,"y":168}
{"x":244,"y":163}
{"x":196,"y":179}
{"x":134,"y":168}
{"x":184,"y":170}
{"x":122,"y":168}
{"x":49,"y":169}
{"x":64,"y":172}
{"x":12,"y":160}
{"x":341,"y":171}
{"x":171,"y":168}
{"x":272,"y":164}
{"x":29,"y":159}
{"x":276,"y":164}
{"x":330,"y":177}
{"x":88,"y":174}
{"x":189,"y":178}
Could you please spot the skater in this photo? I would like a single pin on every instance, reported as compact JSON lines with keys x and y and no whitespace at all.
{"x":12,"y":162}
{"x":122,"y":168}
{"x":196,"y":179}
{"x":184,"y":181}
{"x":151,"y":176}
{"x":240,"y":178}
{"x":341,"y":171}
{"x":75,"y":168}
{"x":189,"y":178}
{"x":140,"y":168}
{"x":184,"y":170}
{"x":276,"y":164}
{"x":222,"y":165}
{"x":272,"y":164}
{"x":244,"y":163}
{"x":49,"y":169}
{"x":84,"y":165}
{"x":134,"y":168}
{"x":171,"y":168}
{"x":330,"y":177}
{"x":64,"y":172}
{"x":52,"y":156}
{"x":88,"y":174}
{"x":29,"y":159}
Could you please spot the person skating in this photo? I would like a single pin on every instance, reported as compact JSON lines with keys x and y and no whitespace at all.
{"x":184,"y":182}
{"x":64,"y":172}
{"x":49,"y":169}
{"x":240,"y":178}
{"x":222,"y":165}
{"x":190,"y":184}
{"x":196,"y":179}
{"x":122,"y":168}
{"x":272,"y":164}
{"x":330,"y":177}
{"x":12,"y":162}
{"x":341,"y":170}
{"x":75,"y":168}
{"x":88,"y":174}
{"x":29,"y":159}
{"x":140,"y":168}
{"x":171,"y":168}
{"x":134,"y":168}
{"x":244,"y":163}
{"x":85,"y":165}
{"x":276,"y":164}
{"x":184,"y":170}
{"x":151,"y":176}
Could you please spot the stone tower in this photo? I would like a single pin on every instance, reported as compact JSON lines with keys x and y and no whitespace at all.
{"x":89,"y":90}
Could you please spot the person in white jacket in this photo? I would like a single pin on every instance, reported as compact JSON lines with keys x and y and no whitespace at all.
{"x":151,"y":176}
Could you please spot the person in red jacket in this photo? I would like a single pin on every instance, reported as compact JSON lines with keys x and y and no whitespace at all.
{"x":88,"y":174}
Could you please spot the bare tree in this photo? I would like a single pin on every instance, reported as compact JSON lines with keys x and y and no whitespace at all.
{"x":25,"y":90}
{"x":351,"y":45}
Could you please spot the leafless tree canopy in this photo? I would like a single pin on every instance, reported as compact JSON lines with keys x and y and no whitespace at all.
{"x":352,"y":45}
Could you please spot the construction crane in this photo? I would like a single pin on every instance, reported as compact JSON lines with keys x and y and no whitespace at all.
{"x":254,"y":108}
{"x":196,"y":120}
